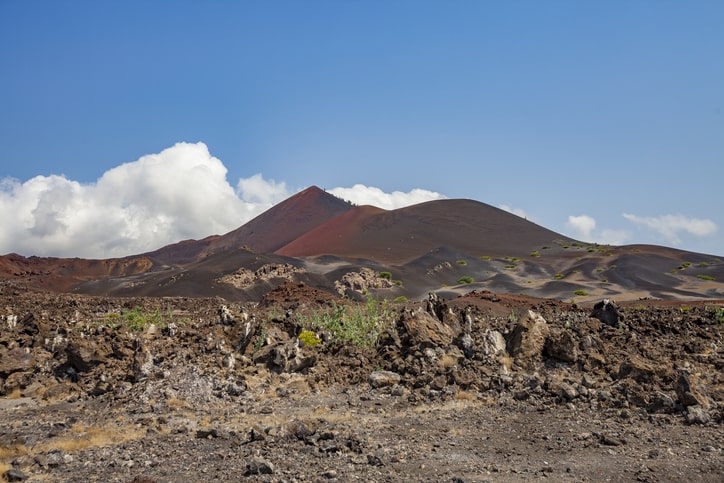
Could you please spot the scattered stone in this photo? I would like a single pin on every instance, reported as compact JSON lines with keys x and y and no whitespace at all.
{"x":380,"y":379}
{"x":697,"y":415}
{"x":607,"y":312}
{"x":259,"y":466}
{"x":14,"y":474}
{"x":691,"y":391}
{"x":562,"y":345}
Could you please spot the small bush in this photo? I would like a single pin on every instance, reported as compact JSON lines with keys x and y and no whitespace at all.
{"x":465,"y":280}
{"x":535,"y":253}
{"x":385,"y":275}
{"x":400,"y":300}
{"x":309,"y":338}
{"x":705,"y":277}
{"x":580,"y":293}
{"x":558,"y":276}
{"x":485,"y":257}
{"x":461,"y":262}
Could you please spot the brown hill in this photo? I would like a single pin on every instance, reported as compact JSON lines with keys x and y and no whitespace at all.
{"x":61,"y":274}
{"x":401,"y":235}
{"x":447,"y":246}
{"x":269,"y":231}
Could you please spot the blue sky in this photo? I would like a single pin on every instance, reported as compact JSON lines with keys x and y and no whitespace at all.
{"x":600,"y":120}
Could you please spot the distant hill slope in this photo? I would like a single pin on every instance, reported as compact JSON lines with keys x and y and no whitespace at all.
{"x":266,"y":233}
{"x":447,"y":246}
{"x":400,"y":235}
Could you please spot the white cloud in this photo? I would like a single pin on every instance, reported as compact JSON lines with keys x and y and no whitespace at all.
{"x":670,"y":226}
{"x":515,"y":211}
{"x":582,"y":225}
{"x":369,"y":195}
{"x":180,"y":193}
{"x":258,"y":190}
{"x":139,"y":206}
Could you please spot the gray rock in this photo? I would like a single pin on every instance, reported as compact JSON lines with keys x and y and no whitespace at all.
{"x":607,"y":312}
{"x":14,"y":474}
{"x":379,"y":379}
{"x":697,"y":415}
{"x":259,"y":466}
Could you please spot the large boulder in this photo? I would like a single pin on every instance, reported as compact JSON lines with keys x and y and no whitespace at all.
{"x":607,"y":312}
{"x":527,"y":339}
{"x":420,"y":329}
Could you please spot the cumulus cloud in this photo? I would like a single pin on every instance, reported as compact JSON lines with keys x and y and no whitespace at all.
{"x":670,"y":226}
{"x":139,"y":206}
{"x":260,"y":191}
{"x":582,"y":225}
{"x":180,"y":193}
{"x":369,"y":195}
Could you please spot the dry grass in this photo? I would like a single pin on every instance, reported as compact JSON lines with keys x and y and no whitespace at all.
{"x":92,"y":437}
{"x":506,"y":362}
{"x":177,"y":403}
{"x":14,"y":394}
{"x":465,"y":396}
{"x":448,"y":361}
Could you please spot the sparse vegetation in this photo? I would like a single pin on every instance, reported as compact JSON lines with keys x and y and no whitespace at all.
{"x":385,"y":275}
{"x":580,"y":293}
{"x":511,"y":266}
{"x":138,"y":319}
{"x":465,"y":280}
{"x":558,"y":276}
{"x":684,"y":265}
{"x":358,"y":324}
{"x":485,"y":257}
{"x":400,"y":300}
{"x":718,"y":313}
{"x":461,"y":262}
{"x":535,"y":253}
{"x":706,"y":277}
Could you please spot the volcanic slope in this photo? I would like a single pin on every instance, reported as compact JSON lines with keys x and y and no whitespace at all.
{"x":399,"y":236}
{"x":269,"y":231}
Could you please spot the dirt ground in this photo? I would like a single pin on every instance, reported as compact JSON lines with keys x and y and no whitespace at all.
{"x":483,"y":387}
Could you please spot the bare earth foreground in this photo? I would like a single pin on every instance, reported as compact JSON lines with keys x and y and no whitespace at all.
{"x":482,"y":387}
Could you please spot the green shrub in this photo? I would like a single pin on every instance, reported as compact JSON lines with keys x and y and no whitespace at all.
{"x":485,"y":257}
{"x":558,"y":276}
{"x":400,"y":300}
{"x":360,"y":324}
{"x":705,"y":277}
{"x":386,"y":275}
{"x":465,"y":280}
{"x":535,"y":253}
{"x":580,"y":293}
{"x":461,"y":262}
{"x":139,"y":319}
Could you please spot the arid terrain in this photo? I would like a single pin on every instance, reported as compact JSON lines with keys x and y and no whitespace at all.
{"x":447,"y":341}
{"x":483,"y":387}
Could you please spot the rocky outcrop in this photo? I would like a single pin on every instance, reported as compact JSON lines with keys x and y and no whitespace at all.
{"x":361,"y":282}
{"x":244,"y":277}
